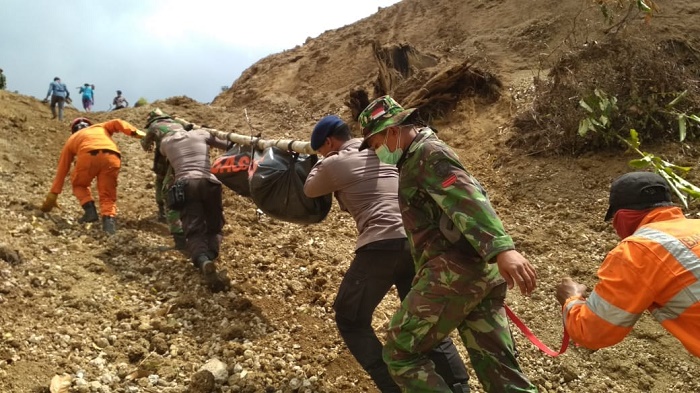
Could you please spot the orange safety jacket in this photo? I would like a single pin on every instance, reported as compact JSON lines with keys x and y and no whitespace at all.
{"x":95,"y":137}
{"x":657,"y":269}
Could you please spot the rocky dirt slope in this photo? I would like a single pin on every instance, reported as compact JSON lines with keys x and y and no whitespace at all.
{"x":118,"y":315}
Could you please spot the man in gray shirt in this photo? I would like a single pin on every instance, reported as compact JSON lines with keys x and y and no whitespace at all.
{"x":368,"y":190}
{"x":202,"y":213}
{"x":59,"y":94}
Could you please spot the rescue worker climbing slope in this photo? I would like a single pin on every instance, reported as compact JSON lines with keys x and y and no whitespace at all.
{"x":159,"y":124}
{"x":97,"y":157}
{"x":367,"y":189}
{"x":463,"y":258}
{"x":201,"y":207}
{"x":655,"y":267}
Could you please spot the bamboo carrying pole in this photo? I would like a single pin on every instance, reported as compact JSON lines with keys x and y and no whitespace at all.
{"x":258,"y":143}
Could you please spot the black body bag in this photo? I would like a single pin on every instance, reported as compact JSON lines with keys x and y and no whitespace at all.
{"x":277,"y":187}
{"x":231,"y":168}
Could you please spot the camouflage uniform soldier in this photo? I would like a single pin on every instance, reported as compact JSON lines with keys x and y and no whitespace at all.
{"x":158,"y":124}
{"x":459,"y":247}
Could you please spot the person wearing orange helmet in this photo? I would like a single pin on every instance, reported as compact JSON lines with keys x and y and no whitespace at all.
{"x":97,"y":157}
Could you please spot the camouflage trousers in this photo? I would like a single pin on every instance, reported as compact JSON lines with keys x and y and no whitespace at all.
{"x":452,"y":292}
{"x":163,"y":183}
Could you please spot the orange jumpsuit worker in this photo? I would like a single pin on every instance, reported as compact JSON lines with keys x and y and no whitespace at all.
{"x":655,"y":267}
{"x":97,"y":157}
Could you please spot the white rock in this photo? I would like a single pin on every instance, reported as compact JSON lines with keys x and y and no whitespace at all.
{"x":98,"y":362}
{"x":217,"y":368}
{"x":34,"y":339}
{"x":107,"y":378}
{"x":95,"y":386}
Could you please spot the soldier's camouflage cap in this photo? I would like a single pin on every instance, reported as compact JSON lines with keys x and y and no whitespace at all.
{"x":380,"y":114}
{"x":154,"y":115}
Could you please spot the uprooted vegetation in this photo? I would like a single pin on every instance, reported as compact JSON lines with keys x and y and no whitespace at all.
{"x":644,"y":75}
{"x":424,"y":81}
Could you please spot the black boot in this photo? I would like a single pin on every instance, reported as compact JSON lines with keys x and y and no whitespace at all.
{"x":90,"y":213}
{"x":109,"y":225}
{"x":460,"y":388}
{"x":161,"y":213}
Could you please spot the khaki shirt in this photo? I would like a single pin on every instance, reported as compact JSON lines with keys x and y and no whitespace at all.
{"x":364,"y":187}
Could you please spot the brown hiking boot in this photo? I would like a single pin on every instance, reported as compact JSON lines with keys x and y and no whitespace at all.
{"x":213,"y":279}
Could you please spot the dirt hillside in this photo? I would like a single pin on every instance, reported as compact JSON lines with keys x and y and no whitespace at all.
{"x":118,"y":315}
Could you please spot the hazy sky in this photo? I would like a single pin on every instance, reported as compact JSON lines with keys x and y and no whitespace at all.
{"x":156,"y":48}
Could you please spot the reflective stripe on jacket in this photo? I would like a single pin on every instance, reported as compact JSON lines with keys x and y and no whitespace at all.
{"x":655,"y":269}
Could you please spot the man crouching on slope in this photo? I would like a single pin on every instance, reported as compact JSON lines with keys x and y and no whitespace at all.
{"x":655,"y":267}
{"x":97,"y":157}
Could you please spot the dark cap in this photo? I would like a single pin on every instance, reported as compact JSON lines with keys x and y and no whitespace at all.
{"x":638,"y":191}
{"x":324,"y":128}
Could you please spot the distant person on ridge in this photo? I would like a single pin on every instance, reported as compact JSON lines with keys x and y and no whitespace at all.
{"x":97,"y":157}
{"x":367,"y":190}
{"x":119,"y":101}
{"x":59,"y":94}
{"x":88,"y":97}
{"x":3,"y":81}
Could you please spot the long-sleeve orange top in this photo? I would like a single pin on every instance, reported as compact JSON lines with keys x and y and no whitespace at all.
{"x":655,"y":269}
{"x":95,"y":137}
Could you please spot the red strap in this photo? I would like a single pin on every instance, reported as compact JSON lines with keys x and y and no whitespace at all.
{"x":531,"y":336}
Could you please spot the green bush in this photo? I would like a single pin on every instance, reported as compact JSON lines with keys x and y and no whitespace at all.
{"x":141,"y":102}
{"x":611,"y":87}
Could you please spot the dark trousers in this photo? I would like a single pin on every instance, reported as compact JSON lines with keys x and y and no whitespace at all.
{"x":60,"y":102}
{"x":375,"y":268}
{"x":202,"y":218}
